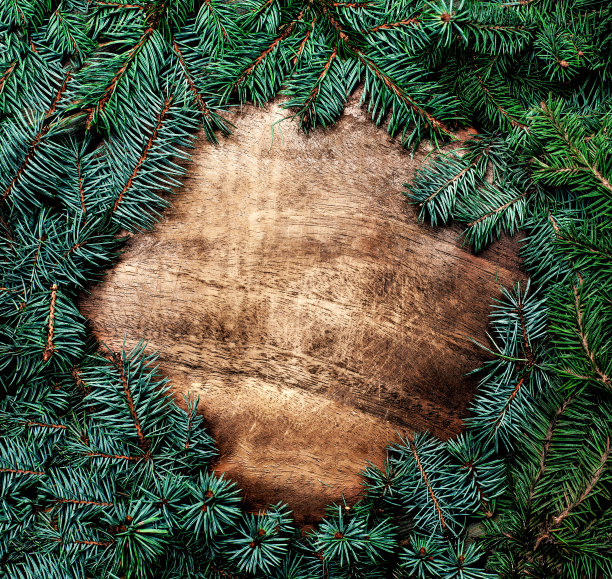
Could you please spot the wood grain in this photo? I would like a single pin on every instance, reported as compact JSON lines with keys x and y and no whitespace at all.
{"x":291,"y":287}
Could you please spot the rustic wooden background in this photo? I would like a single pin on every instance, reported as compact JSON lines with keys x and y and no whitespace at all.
{"x":291,"y":287}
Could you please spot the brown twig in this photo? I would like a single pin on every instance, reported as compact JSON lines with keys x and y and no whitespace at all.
{"x":22,"y":471}
{"x":50,"y":348}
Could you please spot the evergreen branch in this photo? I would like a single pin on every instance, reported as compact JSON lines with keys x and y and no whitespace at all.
{"x":528,"y":350}
{"x":7,"y":74}
{"x":498,"y":106}
{"x":499,"y":209}
{"x":391,"y":25}
{"x":261,"y":57}
{"x":434,"y":499}
{"x":41,"y":239}
{"x":562,"y":131}
{"x":145,"y":152}
{"x":604,"y":182}
{"x":315,"y":91}
{"x":546,"y":448}
{"x":558,"y":519}
{"x":61,"y":501}
{"x":36,"y":142}
{"x":401,"y":94}
{"x":210,"y":7}
{"x":120,"y":5}
{"x":118,"y":363}
{"x":353,"y":4}
{"x":80,"y":181}
{"x":305,"y":40}
{"x":506,"y":406}
{"x":31,"y":424}
{"x":197,"y":97}
{"x":448,"y":183}
{"x":22,"y":471}
{"x":482,"y":496}
{"x":583,"y":335}
{"x":104,"y":544}
{"x":145,"y":456}
{"x":566,"y":237}
{"x":50,"y":347}
{"x":59,"y":94}
{"x":119,"y":75}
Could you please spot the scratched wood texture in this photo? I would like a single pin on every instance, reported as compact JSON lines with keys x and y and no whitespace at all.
{"x":291,"y":287}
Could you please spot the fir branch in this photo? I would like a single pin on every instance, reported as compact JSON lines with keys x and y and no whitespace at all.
{"x":434,"y":499}
{"x":546,"y":444}
{"x":120,"y":5}
{"x":482,"y":496}
{"x":447,"y":184}
{"x":104,"y":544}
{"x":586,"y":493}
{"x":50,"y":347}
{"x":391,"y":25}
{"x":197,"y":97}
{"x":491,"y":97}
{"x":527,"y":346}
{"x":506,"y":406}
{"x":80,"y":181}
{"x":32,"y":424}
{"x":22,"y":471}
{"x":36,"y":142}
{"x":7,"y":74}
{"x":118,"y":363}
{"x":62,"y":501}
{"x":138,"y":458}
{"x":109,"y":91}
{"x":562,"y":131}
{"x":145,"y":152}
{"x":584,"y":340}
{"x":401,"y":94}
{"x":315,"y":91}
{"x":305,"y":40}
{"x":262,"y":56}
{"x":59,"y":94}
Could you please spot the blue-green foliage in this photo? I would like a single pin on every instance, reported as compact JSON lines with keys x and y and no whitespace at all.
{"x":102,"y":474}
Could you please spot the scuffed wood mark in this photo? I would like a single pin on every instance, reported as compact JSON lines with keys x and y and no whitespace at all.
{"x":291,"y":287}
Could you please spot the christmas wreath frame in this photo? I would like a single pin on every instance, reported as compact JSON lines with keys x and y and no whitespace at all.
{"x":103,"y":475}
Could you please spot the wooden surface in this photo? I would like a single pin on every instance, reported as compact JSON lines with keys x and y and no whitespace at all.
{"x":291,"y":287}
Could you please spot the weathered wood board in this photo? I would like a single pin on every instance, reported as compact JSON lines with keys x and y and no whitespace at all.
{"x":291,"y":287}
